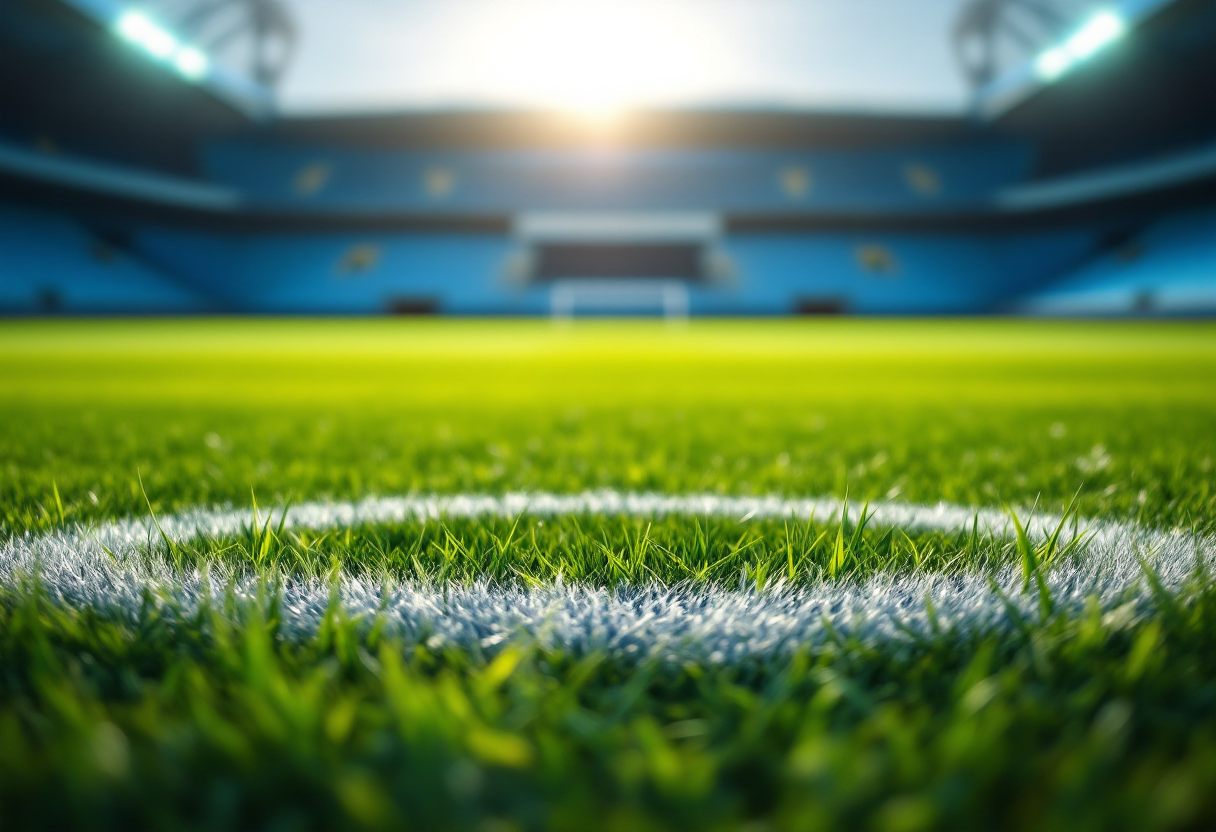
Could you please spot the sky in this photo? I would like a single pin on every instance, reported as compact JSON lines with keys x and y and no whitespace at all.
{"x":608,"y":55}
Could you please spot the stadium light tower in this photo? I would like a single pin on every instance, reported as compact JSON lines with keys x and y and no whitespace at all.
{"x":257,"y":35}
{"x":994,"y":36}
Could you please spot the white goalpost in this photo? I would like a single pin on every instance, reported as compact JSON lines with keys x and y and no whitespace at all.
{"x":668,"y":298}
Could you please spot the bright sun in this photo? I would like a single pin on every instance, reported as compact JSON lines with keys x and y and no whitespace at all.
{"x":598,"y":57}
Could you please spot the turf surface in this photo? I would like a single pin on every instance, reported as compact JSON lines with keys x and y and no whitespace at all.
{"x":1099,"y":718}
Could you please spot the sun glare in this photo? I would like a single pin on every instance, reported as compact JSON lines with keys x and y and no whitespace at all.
{"x":597,"y":58}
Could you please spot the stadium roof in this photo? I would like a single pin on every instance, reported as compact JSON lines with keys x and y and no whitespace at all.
{"x":73,"y":84}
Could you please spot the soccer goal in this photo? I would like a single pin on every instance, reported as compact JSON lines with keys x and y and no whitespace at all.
{"x":668,"y":298}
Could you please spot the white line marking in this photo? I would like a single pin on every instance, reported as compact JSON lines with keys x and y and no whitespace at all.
{"x":107,"y":568}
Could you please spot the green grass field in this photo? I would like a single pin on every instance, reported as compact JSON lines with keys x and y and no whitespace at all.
{"x":1072,"y":711}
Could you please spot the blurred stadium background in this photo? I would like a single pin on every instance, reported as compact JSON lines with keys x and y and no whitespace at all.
{"x":145,"y":168}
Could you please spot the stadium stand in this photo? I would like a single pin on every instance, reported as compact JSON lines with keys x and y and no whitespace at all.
{"x":1169,"y":269}
{"x":1082,"y":184}
{"x":52,"y":265}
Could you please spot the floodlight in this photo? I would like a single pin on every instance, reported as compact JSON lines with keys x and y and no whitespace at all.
{"x":1053,"y":63}
{"x":159,"y":43}
{"x":191,"y":63}
{"x":1102,"y":29}
{"x":139,"y":29}
{"x":134,"y":26}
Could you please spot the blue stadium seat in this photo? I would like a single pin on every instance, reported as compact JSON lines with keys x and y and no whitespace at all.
{"x":1168,"y":270}
{"x":52,"y":265}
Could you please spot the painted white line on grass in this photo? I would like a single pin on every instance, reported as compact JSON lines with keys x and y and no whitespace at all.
{"x":108,"y":568}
